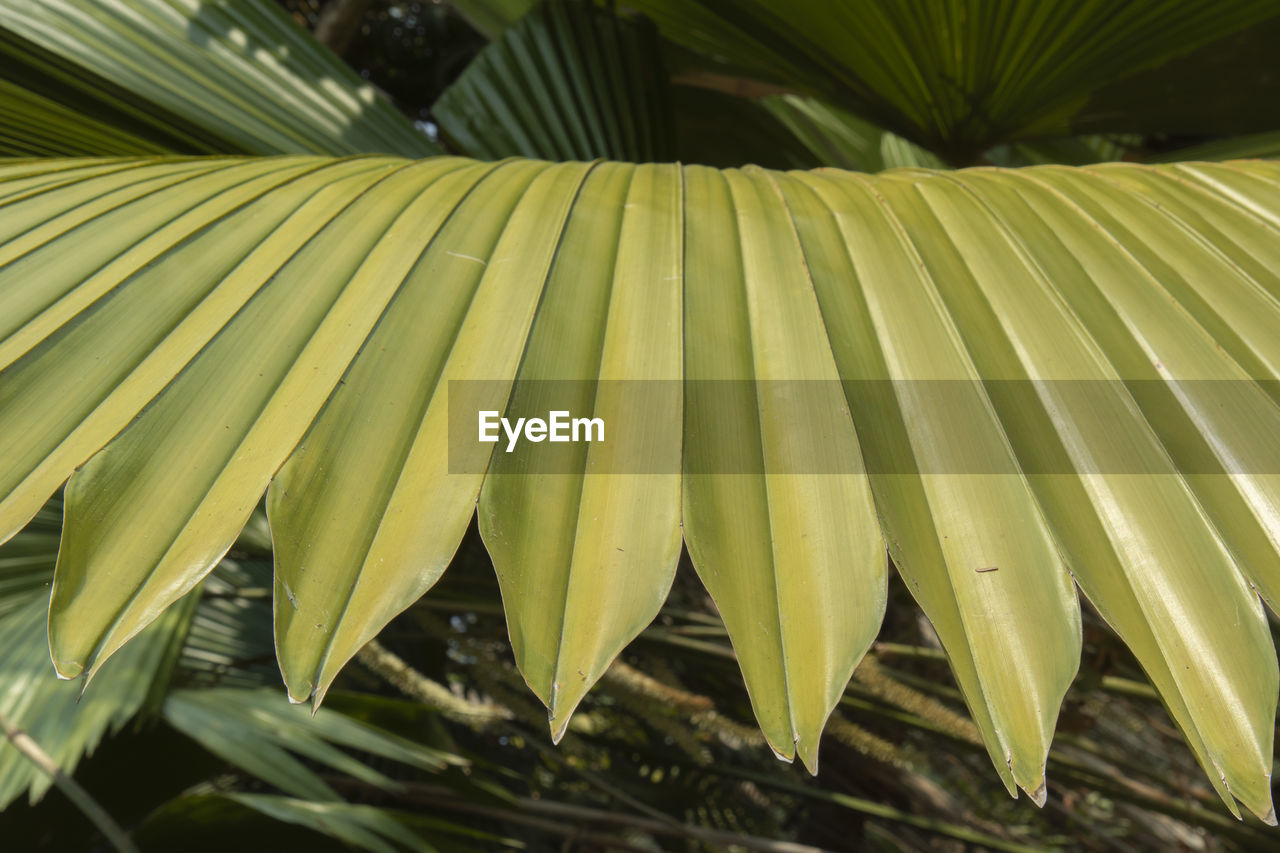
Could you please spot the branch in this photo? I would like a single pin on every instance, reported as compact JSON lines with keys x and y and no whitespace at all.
{"x":82,"y":799}
{"x":392,"y":669}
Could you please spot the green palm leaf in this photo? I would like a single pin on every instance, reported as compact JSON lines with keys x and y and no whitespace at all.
{"x":841,"y":139}
{"x":586,"y":557}
{"x":1265,"y":145}
{"x":568,"y":82}
{"x":147,"y":76}
{"x":492,"y":17}
{"x":356,"y":826}
{"x":258,"y":732}
{"x":957,"y":75}
{"x":1023,"y":376}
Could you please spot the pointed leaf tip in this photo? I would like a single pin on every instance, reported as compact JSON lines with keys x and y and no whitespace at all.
{"x":558,"y":727}
{"x":66,"y":672}
{"x":299,"y":697}
{"x":789,"y":756}
{"x":807,"y":750}
{"x":1035,"y":786}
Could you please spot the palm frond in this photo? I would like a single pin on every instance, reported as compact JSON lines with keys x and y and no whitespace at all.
{"x":360,"y":827}
{"x":492,"y":17}
{"x":146,"y":76}
{"x":1264,"y":145}
{"x":844,"y":141}
{"x":959,"y":76}
{"x":570,"y":81}
{"x":1016,"y":377}
{"x":257,"y":732}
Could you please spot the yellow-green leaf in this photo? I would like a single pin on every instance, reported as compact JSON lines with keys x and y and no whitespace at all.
{"x":1021,"y":375}
{"x":585,"y":542}
{"x":376,"y":462}
{"x":777,"y":507}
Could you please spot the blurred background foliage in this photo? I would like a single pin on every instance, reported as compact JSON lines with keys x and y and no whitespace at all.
{"x":432,"y":741}
{"x":1224,"y":94}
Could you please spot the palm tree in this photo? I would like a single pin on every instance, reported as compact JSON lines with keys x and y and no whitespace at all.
{"x":1013,"y":381}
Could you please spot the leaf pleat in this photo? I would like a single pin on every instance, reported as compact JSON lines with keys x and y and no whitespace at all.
{"x":777,"y":508}
{"x":1138,"y":541}
{"x":961,"y":522}
{"x":463,"y":314}
{"x":114,"y":324}
{"x":585,"y":540}
{"x":568,"y":82}
{"x":259,"y":381}
{"x":1220,"y":306}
